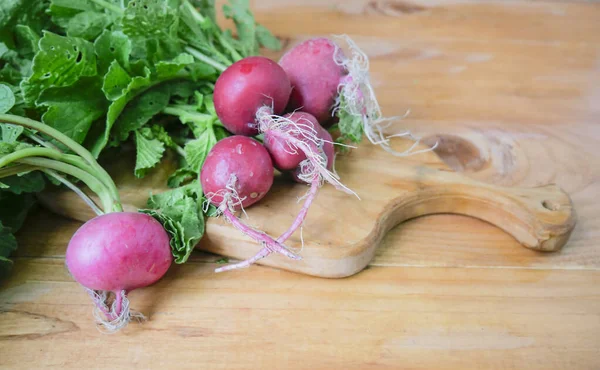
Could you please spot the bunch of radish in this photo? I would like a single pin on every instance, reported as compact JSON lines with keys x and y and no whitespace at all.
{"x":290,"y":103}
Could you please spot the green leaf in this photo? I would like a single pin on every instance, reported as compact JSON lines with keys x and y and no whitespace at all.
{"x":202,"y":71}
{"x":140,"y":110}
{"x":197,"y":150}
{"x":350,"y":125}
{"x":32,"y":182}
{"x":62,"y":11}
{"x":8,"y":243}
{"x":239,"y":11}
{"x":267,"y":39}
{"x":180,"y":177}
{"x":73,"y":109}
{"x":61,"y":61}
{"x":111,"y":46}
{"x":7,"y":98}
{"x":113,"y":83}
{"x":166,"y":69}
{"x":152,"y":27}
{"x":116,"y":81}
{"x":8,"y":9}
{"x":182,"y":89}
{"x":160,"y":134}
{"x":88,"y":25}
{"x":180,"y":212}
{"x":10,"y":133}
{"x":148,"y":153}
{"x":27,"y":41}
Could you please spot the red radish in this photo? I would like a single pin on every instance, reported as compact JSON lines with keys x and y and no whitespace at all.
{"x":237,"y":173}
{"x":315,"y":77}
{"x":286,"y":158}
{"x":325,"y":80}
{"x":297,"y":142}
{"x":118,"y":252}
{"x":247,"y":86}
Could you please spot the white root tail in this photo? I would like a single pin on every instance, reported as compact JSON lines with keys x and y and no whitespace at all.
{"x":118,"y":316}
{"x":301,"y":136}
{"x":357,"y":97}
{"x":231,"y":200}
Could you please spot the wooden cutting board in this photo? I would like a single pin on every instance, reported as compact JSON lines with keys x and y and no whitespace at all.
{"x":342,"y":232}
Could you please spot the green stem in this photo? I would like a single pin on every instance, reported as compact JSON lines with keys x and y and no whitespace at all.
{"x":234,"y":53}
{"x":203,"y":58}
{"x":179,"y":150}
{"x":41,"y":141}
{"x":179,"y":112}
{"x":49,"y":153}
{"x":109,"y":6}
{"x":69,"y":143}
{"x":108,"y":203}
{"x":15,"y":170}
{"x":76,"y":190}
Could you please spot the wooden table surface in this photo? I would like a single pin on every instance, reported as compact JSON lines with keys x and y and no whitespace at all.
{"x":513,"y":90}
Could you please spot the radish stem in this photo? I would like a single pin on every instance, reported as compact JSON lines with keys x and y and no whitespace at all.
{"x":77,"y":191}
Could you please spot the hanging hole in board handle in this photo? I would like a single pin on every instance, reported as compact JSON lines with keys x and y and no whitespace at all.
{"x":550,"y":205}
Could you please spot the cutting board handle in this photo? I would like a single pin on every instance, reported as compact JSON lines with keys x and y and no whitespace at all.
{"x":540,"y":218}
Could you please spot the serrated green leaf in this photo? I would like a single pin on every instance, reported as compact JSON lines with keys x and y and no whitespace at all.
{"x":116,"y":81}
{"x":7,"y":98}
{"x":180,"y":212}
{"x":267,"y":39}
{"x":152,"y":27}
{"x":166,"y":69}
{"x":8,"y":243}
{"x":148,"y":153}
{"x":62,"y":11}
{"x":10,"y":133}
{"x":183,"y":89}
{"x":32,"y":182}
{"x":136,"y":84}
{"x":88,"y":25}
{"x":140,"y":110}
{"x":197,"y":150}
{"x":61,"y":61}
{"x":112,"y":46}
{"x":73,"y":109}
{"x":8,"y":9}
{"x":26,"y":41}
{"x":350,"y":125}
{"x":202,"y":71}
{"x":239,"y":11}
{"x":180,"y":177}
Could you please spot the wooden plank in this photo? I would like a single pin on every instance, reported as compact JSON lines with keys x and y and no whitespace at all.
{"x":383,"y":318}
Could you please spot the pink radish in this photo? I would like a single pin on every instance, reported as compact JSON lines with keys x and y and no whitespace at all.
{"x":248,"y":86}
{"x":117,"y":253}
{"x":237,"y":173}
{"x":249,"y":95}
{"x":297,"y":142}
{"x":325,"y":80}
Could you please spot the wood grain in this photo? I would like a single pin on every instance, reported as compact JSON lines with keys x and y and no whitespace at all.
{"x":513,"y":87}
{"x":341,"y":232}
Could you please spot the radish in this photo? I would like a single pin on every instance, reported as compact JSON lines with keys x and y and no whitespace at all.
{"x":325,"y":81}
{"x":249,"y":86}
{"x":248,"y":97}
{"x":306,"y":148}
{"x":118,"y":252}
{"x":237,"y":173}
{"x":111,"y":254}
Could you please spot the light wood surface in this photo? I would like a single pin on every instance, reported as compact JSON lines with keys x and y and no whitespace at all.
{"x":341,"y":233}
{"x":513,"y":88}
